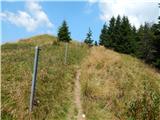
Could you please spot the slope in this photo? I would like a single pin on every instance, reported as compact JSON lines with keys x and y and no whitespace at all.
{"x":55,"y":81}
{"x":113,"y":86}
{"x":119,"y":87}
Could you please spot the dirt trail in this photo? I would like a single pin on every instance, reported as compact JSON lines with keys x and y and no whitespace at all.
{"x":77,"y":93}
{"x":77,"y":100}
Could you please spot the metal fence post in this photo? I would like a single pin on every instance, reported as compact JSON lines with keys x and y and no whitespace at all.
{"x":34,"y":78}
{"x":65,"y":57}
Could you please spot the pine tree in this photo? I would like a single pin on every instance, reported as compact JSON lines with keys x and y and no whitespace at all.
{"x":103,"y":36}
{"x":146,"y":38}
{"x":117,"y":35}
{"x":111,"y":33}
{"x":89,"y":39}
{"x":96,"y":43}
{"x":127,"y":41}
{"x":63,"y":33}
{"x":143,"y":43}
{"x":156,"y":44}
{"x":135,"y":39}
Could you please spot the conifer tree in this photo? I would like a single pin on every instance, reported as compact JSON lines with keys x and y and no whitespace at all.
{"x":127,"y":41}
{"x":89,"y":39}
{"x":156,"y":44}
{"x":63,"y":33}
{"x":135,"y":40}
{"x":96,"y":43}
{"x":146,"y":38}
{"x":117,"y":34}
{"x":111,"y":33}
{"x":143,"y":43}
{"x":103,"y":36}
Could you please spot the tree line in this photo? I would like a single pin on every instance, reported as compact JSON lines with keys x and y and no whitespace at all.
{"x":143,"y":42}
{"x":121,"y":36}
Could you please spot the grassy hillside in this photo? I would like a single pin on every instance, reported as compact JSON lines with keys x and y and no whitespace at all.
{"x":54,"y":90}
{"x":114,"y":86}
{"x":119,"y":87}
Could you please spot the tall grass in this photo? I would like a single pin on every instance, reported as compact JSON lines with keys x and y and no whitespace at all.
{"x":114,"y":86}
{"x":119,"y":87}
{"x":55,"y":81}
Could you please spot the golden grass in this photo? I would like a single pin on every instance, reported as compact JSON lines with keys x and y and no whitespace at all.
{"x":39,"y":40}
{"x":110,"y":80}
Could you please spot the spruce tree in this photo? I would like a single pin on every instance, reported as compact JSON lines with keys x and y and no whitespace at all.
{"x":135,"y":38}
{"x":111,"y":33}
{"x":63,"y":33}
{"x":127,"y":41}
{"x":121,"y":36}
{"x":89,"y":39}
{"x":103,"y":36}
{"x":96,"y":43}
{"x":156,"y":44}
{"x":117,"y":34}
{"x":146,"y":38}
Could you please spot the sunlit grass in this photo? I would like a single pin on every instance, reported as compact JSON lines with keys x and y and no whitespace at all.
{"x":55,"y":81}
{"x":112,"y":82}
{"x":114,"y":86}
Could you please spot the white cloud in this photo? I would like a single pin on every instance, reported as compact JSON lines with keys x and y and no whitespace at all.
{"x":31,"y":19}
{"x":138,"y":11}
{"x":92,"y":1}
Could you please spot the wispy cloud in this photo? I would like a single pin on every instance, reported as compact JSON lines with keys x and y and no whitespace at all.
{"x":31,"y":19}
{"x":138,"y":11}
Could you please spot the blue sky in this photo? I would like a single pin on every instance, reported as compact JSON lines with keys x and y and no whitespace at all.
{"x":28,"y":18}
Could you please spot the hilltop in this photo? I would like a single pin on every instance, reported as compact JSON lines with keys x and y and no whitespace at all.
{"x":114,"y":86}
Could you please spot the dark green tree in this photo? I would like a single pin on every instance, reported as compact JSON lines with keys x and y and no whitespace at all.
{"x":117,"y":37}
{"x":89,"y":39}
{"x":135,"y":40}
{"x":145,"y":45}
{"x":103,"y":36}
{"x":63,"y":33}
{"x":156,"y":44}
{"x":96,"y":43}
{"x":127,"y":41}
{"x":111,"y":33}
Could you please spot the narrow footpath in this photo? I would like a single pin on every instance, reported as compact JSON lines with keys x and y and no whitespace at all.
{"x":77,"y":94}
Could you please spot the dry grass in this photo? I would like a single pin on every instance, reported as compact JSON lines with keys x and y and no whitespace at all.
{"x":39,"y":40}
{"x":111,"y":80}
{"x":55,"y":81}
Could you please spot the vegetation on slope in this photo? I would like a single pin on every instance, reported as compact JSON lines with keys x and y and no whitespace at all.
{"x":114,"y":86}
{"x":121,"y":36}
{"x":119,"y":87}
{"x":55,"y":81}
